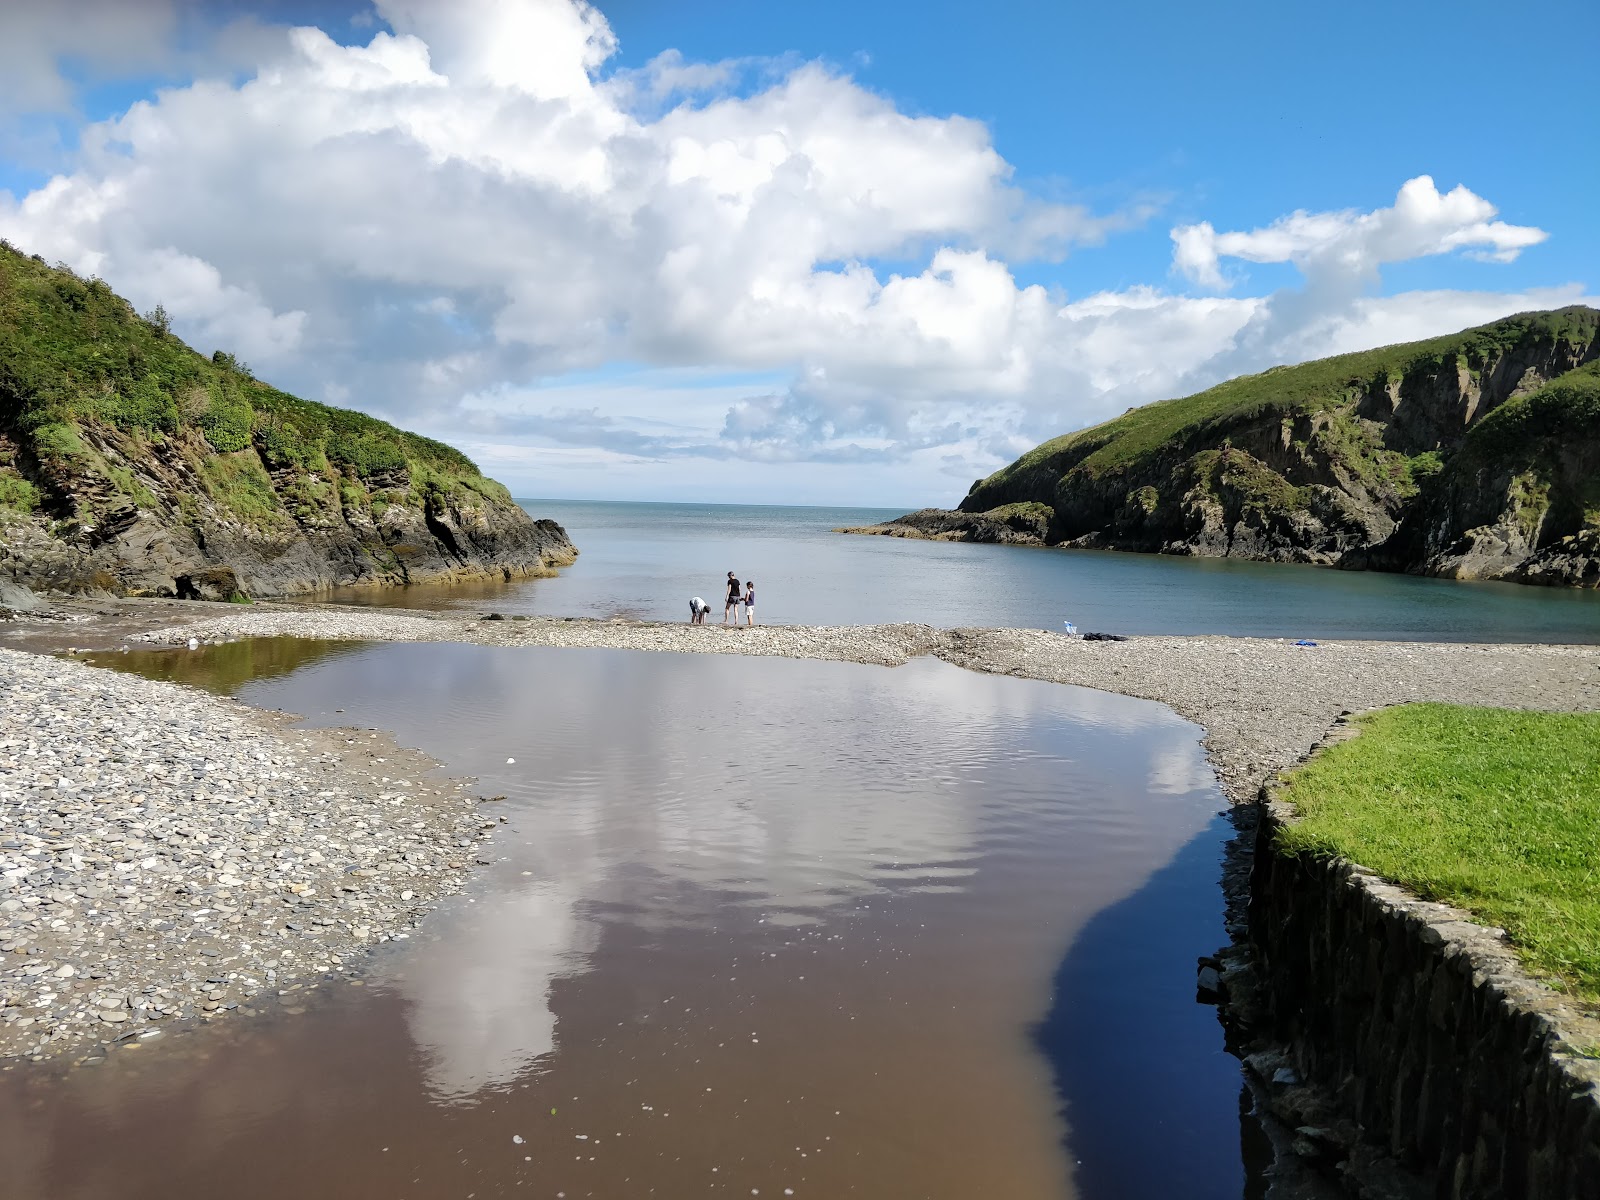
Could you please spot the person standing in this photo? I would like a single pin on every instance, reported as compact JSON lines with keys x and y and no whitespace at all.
{"x":749,"y":602}
{"x":732,"y":606}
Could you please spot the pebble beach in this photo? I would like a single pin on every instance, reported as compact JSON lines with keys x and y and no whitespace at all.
{"x":168,"y":856}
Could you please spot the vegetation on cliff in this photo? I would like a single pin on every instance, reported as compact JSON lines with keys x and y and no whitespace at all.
{"x":1491,"y":810}
{"x":1289,"y":392}
{"x":1526,"y":480}
{"x":1471,"y":455}
{"x":106,"y":416}
{"x":74,"y":353}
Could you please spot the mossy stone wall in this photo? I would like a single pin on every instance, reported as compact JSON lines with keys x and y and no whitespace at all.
{"x":1424,"y":1029}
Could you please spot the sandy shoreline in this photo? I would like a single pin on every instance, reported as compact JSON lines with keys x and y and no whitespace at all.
{"x":135,"y":904}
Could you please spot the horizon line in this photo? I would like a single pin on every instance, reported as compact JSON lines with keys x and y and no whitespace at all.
{"x":699,"y":503}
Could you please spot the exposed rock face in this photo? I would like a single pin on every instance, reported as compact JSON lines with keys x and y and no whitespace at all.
{"x":940,"y":525}
{"x":1521,"y":501}
{"x":15,"y":598}
{"x":1366,"y":461}
{"x":181,"y":539}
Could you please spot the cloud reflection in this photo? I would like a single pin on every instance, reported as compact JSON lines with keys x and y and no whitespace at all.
{"x":480,"y":994}
{"x":667,"y":792}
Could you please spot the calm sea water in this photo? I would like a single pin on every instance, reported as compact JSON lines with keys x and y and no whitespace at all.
{"x":752,"y":927}
{"x":646,"y":560}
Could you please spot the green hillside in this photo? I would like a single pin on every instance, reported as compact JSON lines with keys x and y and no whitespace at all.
{"x":1323,"y":385}
{"x":73,"y":352}
{"x":1474,"y":455}
{"x":109,"y":422}
{"x":1536,"y":427}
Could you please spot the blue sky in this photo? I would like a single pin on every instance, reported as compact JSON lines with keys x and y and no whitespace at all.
{"x":826,"y":253}
{"x":1236,"y":113}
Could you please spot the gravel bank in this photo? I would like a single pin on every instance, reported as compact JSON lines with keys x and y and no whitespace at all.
{"x":1263,"y":702}
{"x":886,"y":645}
{"x":167,"y":856}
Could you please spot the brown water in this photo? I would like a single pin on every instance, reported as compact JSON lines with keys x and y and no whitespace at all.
{"x":756,"y":927}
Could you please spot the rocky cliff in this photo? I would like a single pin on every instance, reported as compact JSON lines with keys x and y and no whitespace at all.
{"x":130,"y":464}
{"x":1475,"y":456}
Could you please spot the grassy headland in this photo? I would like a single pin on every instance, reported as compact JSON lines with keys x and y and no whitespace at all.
{"x":1470,"y":456}
{"x":1295,"y":391}
{"x":74,"y":354}
{"x":130,"y":463}
{"x":1492,"y":810}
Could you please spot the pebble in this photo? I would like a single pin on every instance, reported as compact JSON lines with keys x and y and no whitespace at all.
{"x":166,"y":854}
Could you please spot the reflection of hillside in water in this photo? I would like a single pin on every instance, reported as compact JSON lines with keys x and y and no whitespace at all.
{"x":702,"y":795}
{"x":226,"y":668}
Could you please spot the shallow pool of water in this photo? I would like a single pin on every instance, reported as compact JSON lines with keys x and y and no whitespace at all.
{"x":752,"y":927}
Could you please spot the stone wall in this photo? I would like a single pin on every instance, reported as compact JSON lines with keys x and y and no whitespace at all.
{"x":1420,"y":1033}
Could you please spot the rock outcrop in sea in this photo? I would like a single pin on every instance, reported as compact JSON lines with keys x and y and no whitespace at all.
{"x":1473,"y":456}
{"x":130,"y":464}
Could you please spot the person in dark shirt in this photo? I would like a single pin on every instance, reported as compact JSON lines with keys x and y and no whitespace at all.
{"x":732,"y":606}
{"x":749,"y":602}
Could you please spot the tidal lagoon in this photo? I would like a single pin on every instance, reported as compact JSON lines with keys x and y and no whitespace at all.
{"x":749,"y":927}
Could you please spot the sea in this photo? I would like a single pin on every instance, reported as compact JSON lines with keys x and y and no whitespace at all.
{"x":646,"y":561}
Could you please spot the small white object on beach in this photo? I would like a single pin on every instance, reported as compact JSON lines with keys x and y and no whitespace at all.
{"x":509,"y":761}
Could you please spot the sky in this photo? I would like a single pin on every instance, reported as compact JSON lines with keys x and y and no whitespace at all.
{"x":820,"y":253}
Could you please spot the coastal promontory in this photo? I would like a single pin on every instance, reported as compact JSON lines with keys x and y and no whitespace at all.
{"x":1472,"y":456}
{"x":132,"y":465}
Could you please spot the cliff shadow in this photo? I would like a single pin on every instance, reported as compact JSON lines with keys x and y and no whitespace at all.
{"x":1155,"y":1105}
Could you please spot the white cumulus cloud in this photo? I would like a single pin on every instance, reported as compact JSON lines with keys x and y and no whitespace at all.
{"x":440,"y":223}
{"x":108,"y":35}
{"x":1422,"y":221}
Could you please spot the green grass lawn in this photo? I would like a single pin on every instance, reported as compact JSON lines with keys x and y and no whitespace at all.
{"x":1492,"y":810}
